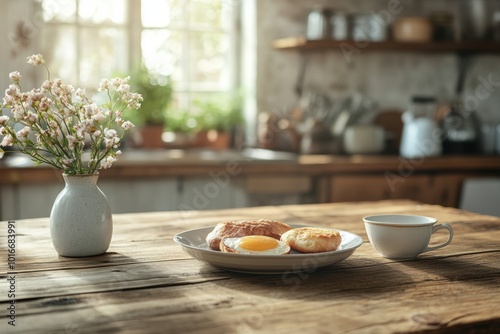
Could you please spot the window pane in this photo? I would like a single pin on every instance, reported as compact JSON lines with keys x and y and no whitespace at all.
{"x":56,"y":10}
{"x":209,"y":64}
{"x":162,"y":53}
{"x":161,"y":13}
{"x":59,"y":50}
{"x":104,"y":52}
{"x":216,"y":14}
{"x":192,"y":43}
{"x":103,"y":11}
{"x":204,"y":12}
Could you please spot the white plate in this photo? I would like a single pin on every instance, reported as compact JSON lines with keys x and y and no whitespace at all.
{"x":193,"y":242}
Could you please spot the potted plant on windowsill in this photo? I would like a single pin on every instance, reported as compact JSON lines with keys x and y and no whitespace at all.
{"x":179,"y":129}
{"x":216,"y":120}
{"x":157,"y":92}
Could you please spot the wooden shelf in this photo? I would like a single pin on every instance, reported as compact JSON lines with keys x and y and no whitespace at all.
{"x":300,"y":43}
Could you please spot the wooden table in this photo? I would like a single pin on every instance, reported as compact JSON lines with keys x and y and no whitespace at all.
{"x":147,"y":284}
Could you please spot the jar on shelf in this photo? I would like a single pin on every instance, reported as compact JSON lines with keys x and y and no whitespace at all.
{"x":341,"y":26}
{"x":443,"y":26}
{"x":318,"y":24}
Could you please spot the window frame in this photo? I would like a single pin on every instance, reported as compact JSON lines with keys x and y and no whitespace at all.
{"x":134,"y":28}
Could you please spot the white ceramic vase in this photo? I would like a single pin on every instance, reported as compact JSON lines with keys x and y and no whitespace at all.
{"x":81,"y":223}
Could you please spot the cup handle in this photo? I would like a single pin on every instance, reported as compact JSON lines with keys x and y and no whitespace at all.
{"x":436,"y":228}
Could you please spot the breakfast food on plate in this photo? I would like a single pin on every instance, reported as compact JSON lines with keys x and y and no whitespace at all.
{"x":254,"y":244}
{"x":312,"y":239}
{"x":270,"y":237}
{"x":234,"y":229}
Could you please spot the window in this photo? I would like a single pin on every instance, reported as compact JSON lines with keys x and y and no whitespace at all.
{"x":192,"y":41}
{"x":84,"y":41}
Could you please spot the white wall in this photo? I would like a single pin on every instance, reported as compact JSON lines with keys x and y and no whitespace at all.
{"x":19,"y":36}
{"x":390,"y":78}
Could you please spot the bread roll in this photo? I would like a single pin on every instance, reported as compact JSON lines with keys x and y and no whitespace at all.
{"x":231,"y":229}
{"x":312,"y":239}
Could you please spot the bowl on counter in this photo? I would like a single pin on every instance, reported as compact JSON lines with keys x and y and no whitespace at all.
{"x":364,"y":139}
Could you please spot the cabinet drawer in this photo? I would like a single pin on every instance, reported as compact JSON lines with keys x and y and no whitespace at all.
{"x":379,"y":187}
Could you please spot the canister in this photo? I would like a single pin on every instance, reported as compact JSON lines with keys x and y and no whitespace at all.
{"x":318,"y":24}
{"x":341,"y":26}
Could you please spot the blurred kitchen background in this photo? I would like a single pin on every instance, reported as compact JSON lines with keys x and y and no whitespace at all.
{"x":315,"y":101}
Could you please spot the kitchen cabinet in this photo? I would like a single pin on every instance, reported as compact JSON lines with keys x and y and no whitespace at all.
{"x":140,"y":195}
{"x":211,"y":193}
{"x":20,"y":201}
{"x":201,"y":193}
{"x":433,"y":188}
{"x":279,"y":189}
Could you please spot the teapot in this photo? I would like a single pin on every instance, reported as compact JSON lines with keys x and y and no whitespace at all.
{"x":421,"y":135}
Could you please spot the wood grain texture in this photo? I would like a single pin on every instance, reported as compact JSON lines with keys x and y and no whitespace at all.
{"x":147,"y":284}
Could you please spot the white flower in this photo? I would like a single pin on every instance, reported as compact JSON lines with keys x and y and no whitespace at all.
{"x":72,"y":141}
{"x":45,"y":103}
{"x":13,"y":91}
{"x":80,"y":93}
{"x":4,"y":119}
{"x":117,"y":82}
{"x":107,"y":162}
{"x":67,"y":162}
{"x":103,"y":85}
{"x":91,"y":109}
{"x":36,"y":60}
{"x":127,"y":125}
{"x":7,"y":140}
{"x":133,"y":100}
{"x":47,"y":85}
{"x":31,"y":118}
{"x":17,"y":112}
{"x":110,"y":133}
{"x":23,"y":133}
{"x":98,"y":116}
{"x":8,"y":100}
{"x":58,"y":119}
{"x":15,"y":76}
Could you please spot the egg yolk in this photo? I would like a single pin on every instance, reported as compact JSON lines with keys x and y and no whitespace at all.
{"x":258,"y":243}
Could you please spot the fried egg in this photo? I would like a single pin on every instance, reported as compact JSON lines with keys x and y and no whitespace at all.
{"x":254,"y":244}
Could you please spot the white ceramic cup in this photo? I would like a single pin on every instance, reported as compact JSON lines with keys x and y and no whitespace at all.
{"x":402,"y":237}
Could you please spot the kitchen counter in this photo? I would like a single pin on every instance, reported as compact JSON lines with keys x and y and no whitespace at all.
{"x":161,"y":163}
{"x":165,"y":180}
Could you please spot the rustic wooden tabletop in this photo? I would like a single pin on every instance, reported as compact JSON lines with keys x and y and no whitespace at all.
{"x":147,"y":284}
